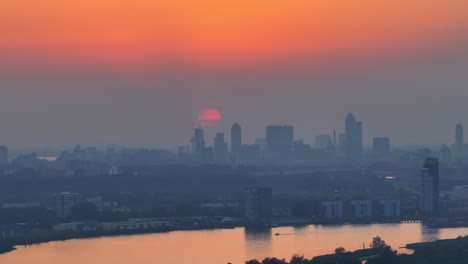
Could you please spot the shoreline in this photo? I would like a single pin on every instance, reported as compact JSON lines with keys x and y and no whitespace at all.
{"x":44,"y":236}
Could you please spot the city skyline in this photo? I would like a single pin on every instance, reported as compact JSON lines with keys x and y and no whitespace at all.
{"x":99,"y":78}
{"x":211,"y":129}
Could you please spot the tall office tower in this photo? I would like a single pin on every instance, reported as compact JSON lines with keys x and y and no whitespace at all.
{"x":258,"y":209}
{"x":3,"y":155}
{"x":280,"y":139}
{"x":220,"y":148}
{"x":198,"y":141}
{"x":236,"y":139}
{"x":380,"y":145}
{"x":353,"y":137}
{"x":64,"y":203}
{"x":459,"y":141}
{"x":430,"y":186}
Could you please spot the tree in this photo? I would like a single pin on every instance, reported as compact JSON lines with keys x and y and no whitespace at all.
{"x":340,"y":250}
{"x":378,"y":243}
{"x":297,"y":259}
{"x":253,"y":261}
{"x":273,"y":261}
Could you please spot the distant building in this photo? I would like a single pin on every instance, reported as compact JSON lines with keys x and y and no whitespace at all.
{"x":445,"y":154}
{"x":258,"y":209}
{"x":301,"y":150}
{"x":332,"y":209}
{"x":380,"y":145}
{"x":3,"y":155}
{"x":390,"y":208}
{"x":220,"y":148}
{"x":198,"y":141}
{"x":64,"y":202}
{"x":207,"y":155}
{"x":249,"y":154}
{"x":280,"y":140}
{"x":459,"y":141}
{"x":362,"y":208}
{"x":236,"y":139}
{"x":353,"y":137}
{"x":323,"y":142}
{"x":430,"y":187}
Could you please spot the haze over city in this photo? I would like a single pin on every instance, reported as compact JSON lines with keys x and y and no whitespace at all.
{"x":221,"y":131}
{"x":122,"y":75}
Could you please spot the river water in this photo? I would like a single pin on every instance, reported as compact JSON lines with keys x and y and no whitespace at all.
{"x":223,"y":245}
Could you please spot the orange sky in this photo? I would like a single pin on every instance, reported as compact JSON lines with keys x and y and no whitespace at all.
{"x":223,"y":32}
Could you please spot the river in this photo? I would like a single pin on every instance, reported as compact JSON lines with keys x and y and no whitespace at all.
{"x":223,"y":245}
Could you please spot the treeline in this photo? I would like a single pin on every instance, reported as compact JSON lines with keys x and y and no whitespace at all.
{"x":454,"y":251}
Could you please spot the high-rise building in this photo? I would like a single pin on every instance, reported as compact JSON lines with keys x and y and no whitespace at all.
{"x":280,"y":140}
{"x":430,"y":187}
{"x":258,"y":209}
{"x":198,"y":141}
{"x":380,"y":145}
{"x":236,"y":139}
{"x":3,"y":155}
{"x":64,"y":203}
{"x":353,"y":137}
{"x":220,"y":148}
{"x":459,"y":141}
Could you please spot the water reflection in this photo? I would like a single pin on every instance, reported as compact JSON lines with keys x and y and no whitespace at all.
{"x":224,"y":245}
{"x":258,"y":240}
{"x":429,"y":234}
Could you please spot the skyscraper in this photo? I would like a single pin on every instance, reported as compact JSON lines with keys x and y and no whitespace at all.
{"x":236,"y":139}
{"x":459,"y":141}
{"x":353,"y":137}
{"x":430,"y":186}
{"x":280,"y":139}
{"x":198,"y":141}
{"x":3,"y":155}
{"x":220,"y":148}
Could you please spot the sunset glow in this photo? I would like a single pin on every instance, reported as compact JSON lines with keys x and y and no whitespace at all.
{"x":208,"y":117}
{"x":198,"y":32}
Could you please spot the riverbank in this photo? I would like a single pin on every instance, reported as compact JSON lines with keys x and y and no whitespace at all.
{"x":447,"y":251}
{"x":39,"y":236}
{"x":5,"y":248}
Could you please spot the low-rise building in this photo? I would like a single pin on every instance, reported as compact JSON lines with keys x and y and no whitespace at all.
{"x":332,"y":209}
{"x":362,"y":208}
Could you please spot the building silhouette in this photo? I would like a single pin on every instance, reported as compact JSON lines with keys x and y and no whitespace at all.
{"x":236,"y":139}
{"x":64,"y":203}
{"x":332,"y":209}
{"x":258,"y":209}
{"x":459,"y":141}
{"x":362,"y":208}
{"x":280,"y":140}
{"x":430,"y":187}
{"x":353,"y":137}
{"x":380,"y":145}
{"x":390,"y":208}
{"x":3,"y":155}
{"x":323,"y":142}
{"x":220,"y":148}
{"x":198,"y":141}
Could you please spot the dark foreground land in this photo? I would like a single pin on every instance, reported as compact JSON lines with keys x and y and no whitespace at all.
{"x":450,"y":251}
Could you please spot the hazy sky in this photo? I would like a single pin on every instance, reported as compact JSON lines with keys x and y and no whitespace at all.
{"x":139,"y":72}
